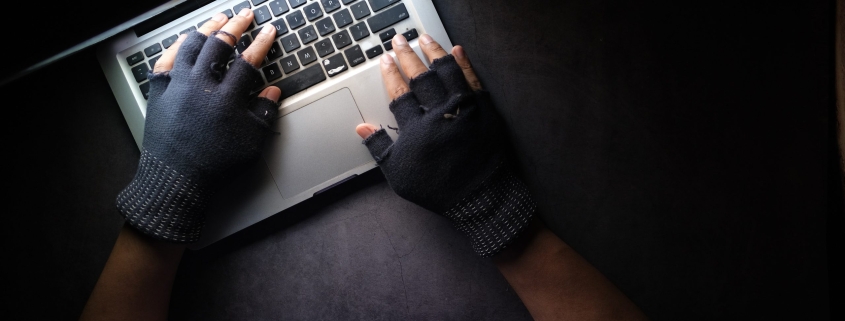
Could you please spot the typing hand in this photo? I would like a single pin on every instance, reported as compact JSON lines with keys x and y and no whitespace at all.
{"x":201,"y":125}
{"x":451,"y":155}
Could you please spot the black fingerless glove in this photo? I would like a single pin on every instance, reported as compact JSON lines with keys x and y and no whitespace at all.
{"x":451,"y":158}
{"x":201,"y":125}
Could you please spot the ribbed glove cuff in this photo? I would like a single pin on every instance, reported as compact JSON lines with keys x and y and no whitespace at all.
{"x":162,"y":203}
{"x":495,"y":213}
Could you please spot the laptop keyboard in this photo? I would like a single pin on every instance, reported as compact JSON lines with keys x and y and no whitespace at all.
{"x":306,"y":31}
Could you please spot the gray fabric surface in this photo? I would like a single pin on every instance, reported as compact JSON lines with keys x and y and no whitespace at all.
{"x":683,"y":148}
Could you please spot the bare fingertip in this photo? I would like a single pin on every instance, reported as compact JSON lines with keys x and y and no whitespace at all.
{"x":387,"y":60}
{"x":459,"y":53}
{"x":426,"y":39}
{"x":219,"y":17}
{"x":272,"y":93}
{"x":365,"y":130}
{"x":267,"y":29}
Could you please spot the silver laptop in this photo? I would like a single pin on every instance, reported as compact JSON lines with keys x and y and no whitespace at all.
{"x":325,"y":60}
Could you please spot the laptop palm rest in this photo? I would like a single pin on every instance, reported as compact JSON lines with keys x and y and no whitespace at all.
{"x":305,"y":153}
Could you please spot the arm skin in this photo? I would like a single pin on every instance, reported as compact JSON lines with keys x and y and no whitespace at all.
{"x":553,"y":281}
{"x":137,"y":279}
{"x":556,"y":283}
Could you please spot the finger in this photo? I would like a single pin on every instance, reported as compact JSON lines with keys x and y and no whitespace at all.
{"x":431,"y":48}
{"x":236,"y":26}
{"x":165,"y":63}
{"x":392,"y":78}
{"x":365,"y":130}
{"x":411,"y":63}
{"x":272,"y":93}
{"x":255,"y":53}
{"x":217,"y":21}
{"x":463,"y":61}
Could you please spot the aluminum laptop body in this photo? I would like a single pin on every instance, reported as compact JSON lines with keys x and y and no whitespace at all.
{"x":317,"y":146}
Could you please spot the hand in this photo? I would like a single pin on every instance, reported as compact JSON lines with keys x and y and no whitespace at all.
{"x":201,"y":125}
{"x":451,"y":156}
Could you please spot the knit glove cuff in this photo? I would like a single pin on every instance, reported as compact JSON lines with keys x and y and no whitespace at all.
{"x":495,"y":213}
{"x":163,"y":203}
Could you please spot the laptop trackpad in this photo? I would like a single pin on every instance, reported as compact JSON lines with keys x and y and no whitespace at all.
{"x":317,"y":143}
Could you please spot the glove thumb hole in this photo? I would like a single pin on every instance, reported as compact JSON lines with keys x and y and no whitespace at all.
{"x":264,"y":108}
{"x":379,"y":144}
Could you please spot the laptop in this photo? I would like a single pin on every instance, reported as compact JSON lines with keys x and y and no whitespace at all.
{"x":325,"y":60}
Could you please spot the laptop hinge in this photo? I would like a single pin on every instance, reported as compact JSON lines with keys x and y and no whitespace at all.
{"x":168,"y":16}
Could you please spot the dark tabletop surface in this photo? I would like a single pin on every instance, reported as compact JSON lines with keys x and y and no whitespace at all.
{"x":685,"y":150}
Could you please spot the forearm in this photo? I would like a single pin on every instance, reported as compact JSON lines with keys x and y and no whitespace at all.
{"x":136,"y":281}
{"x":556,"y":283}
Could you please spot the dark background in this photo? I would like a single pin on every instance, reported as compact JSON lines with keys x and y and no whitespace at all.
{"x":686,"y":150}
{"x":55,"y":26}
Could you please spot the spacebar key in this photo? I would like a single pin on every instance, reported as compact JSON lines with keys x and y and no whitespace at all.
{"x":300,"y":81}
{"x":388,"y":18}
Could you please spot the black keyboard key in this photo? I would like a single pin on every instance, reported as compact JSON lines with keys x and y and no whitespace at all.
{"x":278,"y":7}
{"x":281,"y":27}
{"x":307,"y":34}
{"x":152,"y":50}
{"x":307,"y":56}
{"x":297,"y":3}
{"x":140,"y":72}
{"x":186,"y":31}
{"x":335,"y":65}
{"x":289,"y":64}
{"x":275,"y":52}
{"x":347,"y":1}
{"x":325,"y":26}
{"x":257,"y":2}
{"x":135,"y":58}
{"x":360,"y":10}
{"x":330,"y":5}
{"x":169,"y":41}
{"x":229,"y":14}
{"x":341,"y":39}
{"x":388,"y":45}
{"x":342,"y":18}
{"x":411,"y":34}
{"x":295,"y":19}
{"x":290,"y":42}
{"x":152,"y":62}
{"x":243,"y":43}
{"x":271,"y":72}
{"x":374,"y":52}
{"x":261,"y":15}
{"x":387,"y":35}
{"x":145,"y":90}
{"x":324,"y":47}
{"x":313,"y":11}
{"x":355,"y":55}
{"x":388,"y":18}
{"x":359,"y":31}
{"x":240,"y":6}
{"x":302,"y":80}
{"x":381,"y":4}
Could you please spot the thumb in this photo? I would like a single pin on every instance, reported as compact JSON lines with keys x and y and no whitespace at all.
{"x":376,"y":140}
{"x":266,"y":107}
